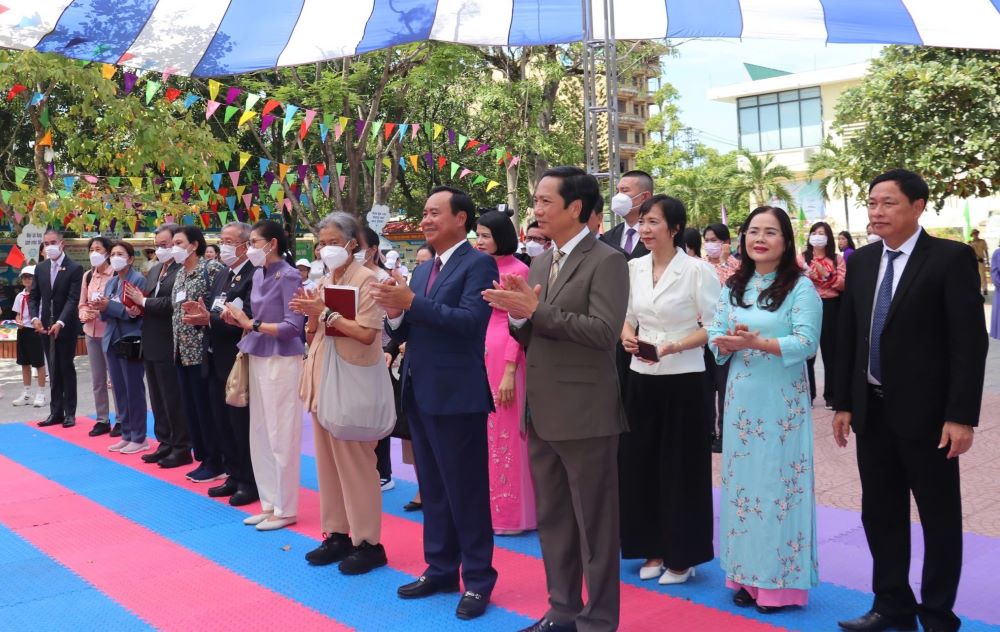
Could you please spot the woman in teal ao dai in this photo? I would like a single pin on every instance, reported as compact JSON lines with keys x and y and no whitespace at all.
{"x":767,"y":510}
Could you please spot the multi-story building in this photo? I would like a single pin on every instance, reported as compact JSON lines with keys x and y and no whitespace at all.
{"x":636,"y":93}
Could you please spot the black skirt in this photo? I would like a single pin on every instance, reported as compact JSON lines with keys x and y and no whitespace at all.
{"x":665,"y":471}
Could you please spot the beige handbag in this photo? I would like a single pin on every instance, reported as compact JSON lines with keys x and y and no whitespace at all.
{"x":238,"y":382}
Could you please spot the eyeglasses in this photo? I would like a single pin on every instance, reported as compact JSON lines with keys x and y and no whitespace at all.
{"x":255,"y":240}
{"x":539,"y":240}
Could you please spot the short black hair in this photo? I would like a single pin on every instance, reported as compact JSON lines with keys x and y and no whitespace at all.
{"x":214,"y":247}
{"x":502,"y":229}
{"x":129,"y":248}
{"x":576,"y":184}
{"x":645,"y":180}
{"x":460,"y":202}
{"x":674,"y":214}
{"x":270,"y":230}
{"x":533,"y":224}
{"x":101,"y":239}
{"x":721,"y":231}
{"x":429,"y":248}
{"x":911,"y":184}
{"x":194,"y":235}
{"x":169,"y":226}
{"x":692,"y":240}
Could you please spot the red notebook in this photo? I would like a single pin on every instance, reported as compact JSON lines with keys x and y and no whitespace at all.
{"x":126,"y":301}
{"x":342,"y":299}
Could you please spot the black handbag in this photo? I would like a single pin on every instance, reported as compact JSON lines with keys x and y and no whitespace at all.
{"x":128,"y":348}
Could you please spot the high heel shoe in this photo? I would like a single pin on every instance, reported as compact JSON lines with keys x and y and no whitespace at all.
{"x":669,"y":577}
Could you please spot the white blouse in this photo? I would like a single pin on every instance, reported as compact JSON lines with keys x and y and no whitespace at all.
{"x":685,"y":295}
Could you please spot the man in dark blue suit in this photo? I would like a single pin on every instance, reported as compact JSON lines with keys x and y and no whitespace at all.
{"x":447,"y":398}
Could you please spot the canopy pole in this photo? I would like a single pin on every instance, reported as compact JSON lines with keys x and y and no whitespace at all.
{"x":596,"y":48}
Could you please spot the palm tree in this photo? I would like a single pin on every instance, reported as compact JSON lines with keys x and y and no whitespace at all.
{"x":764,"y":179}
{"x":830,"y":162}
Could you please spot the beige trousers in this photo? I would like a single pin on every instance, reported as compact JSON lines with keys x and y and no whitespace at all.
{"x":276,"y":431}
{"x":350,"y":499}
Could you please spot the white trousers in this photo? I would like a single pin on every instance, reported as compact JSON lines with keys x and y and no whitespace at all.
{"x":276,"y":431}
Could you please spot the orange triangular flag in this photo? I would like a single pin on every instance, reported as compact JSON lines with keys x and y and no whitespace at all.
{"x":46,"y":140}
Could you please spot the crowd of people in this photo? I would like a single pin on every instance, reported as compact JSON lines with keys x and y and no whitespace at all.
{"x":580,"y":395}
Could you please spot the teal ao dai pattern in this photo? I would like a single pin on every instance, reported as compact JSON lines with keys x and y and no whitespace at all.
{"x":768,"y":510}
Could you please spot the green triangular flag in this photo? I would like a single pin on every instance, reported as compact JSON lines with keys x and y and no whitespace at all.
{"x":328,"y":120}
{"x":151,"y":88}
{"x":461,"y":143}
{"x":454,"y":168}
{"x":114,"y":182}
{"x":340,"y":169}
{"x":178,"y":180}
{"x":224,"y":217}
{"x":479,"y":179}
{"x":291,"y":177}
{"x":371,"y":165}
{"x":273,"y":191}
{"x":204,"y":195}
{"x":44,"y":118}
{"x":376,"y":126}
{"x":19,"y":173}
{"x":6,"y":196}
{"x":63,"y":193}
{"x":230,"y":110}
{"x":91,"y":218}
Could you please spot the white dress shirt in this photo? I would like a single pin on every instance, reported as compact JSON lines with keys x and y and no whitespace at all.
{"x":565,"y":250}
{"x":55,"y":265}
{"x":394,"y":323}
{"x":635,"y":236}
{"x":688,"y":291}
{"x":897,"y":273}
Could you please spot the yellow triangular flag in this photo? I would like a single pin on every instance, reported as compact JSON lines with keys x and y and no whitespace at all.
{"x":343,"y":122}
{"x":438,"y":128}
{"x":282,"y":171}
{"x":413,"y":161}
{"x":249,"y":114}
{"x":136,"y":183}
{"x":132,"y":222}
{"x":165,"y":197}
{"x":244,"y":158}
{"x":386,"y":162}
{"x":108,"y":71}
{"x":280,"y":196}
{"x":213,"y":88}
{"x":240,"y":189}
{"x":492,"y":183}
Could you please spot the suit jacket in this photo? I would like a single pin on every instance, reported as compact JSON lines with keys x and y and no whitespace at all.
{"x":572,"y":379}
{"x":157,"y":326}
{"x":934,"y":342}
{"x":445,"y":335}
{"x":222,"y":337}
{"x":60,"y":302}
{"x":614,"y":238}
{"x":120,"y":324}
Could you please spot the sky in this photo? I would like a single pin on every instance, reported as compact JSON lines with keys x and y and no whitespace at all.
{"x":708,"y":63}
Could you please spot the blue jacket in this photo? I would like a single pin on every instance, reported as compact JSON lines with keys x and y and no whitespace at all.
{"x":120,"y":324}
{"x":445,"y":336}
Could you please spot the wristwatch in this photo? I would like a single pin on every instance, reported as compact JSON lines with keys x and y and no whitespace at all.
{"x":256,"y":325}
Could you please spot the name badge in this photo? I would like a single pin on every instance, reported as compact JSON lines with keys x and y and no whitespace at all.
{"x":116,"y":298}
{"x":219,"y":303}
{"x":180,"y":296}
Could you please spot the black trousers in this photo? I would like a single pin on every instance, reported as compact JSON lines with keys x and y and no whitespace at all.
{"x":198,"y":410}
{"x":232,"y":430}
{"x":451,"y":454}
{"x":892,"y":466}
{"x":383,"y":458}
{"x":62,"y":373}
{"x":165,"y":400}
{"x":828,"y":347}
{"x":716,"y":376}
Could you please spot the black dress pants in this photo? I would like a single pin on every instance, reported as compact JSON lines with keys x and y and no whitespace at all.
{"x":892,"y":466}
{"x":232,"y":430}
{"x":828,"y":347}
{"x":62,"y":373}
{"x":165,"y":400}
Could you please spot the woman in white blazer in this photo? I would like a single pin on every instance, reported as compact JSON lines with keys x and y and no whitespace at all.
{"x":665,"y":469}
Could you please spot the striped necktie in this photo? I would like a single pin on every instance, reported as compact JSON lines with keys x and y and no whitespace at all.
{"x":554,"y":270}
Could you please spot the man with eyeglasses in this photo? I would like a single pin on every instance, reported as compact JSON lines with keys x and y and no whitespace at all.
{"x":535,"y":242}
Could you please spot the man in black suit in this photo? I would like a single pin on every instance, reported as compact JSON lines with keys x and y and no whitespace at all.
{"x":232,"y":424}
{"x":169,"y":424}
{"x":55,"y":297}
{"x":912,"y":395}
{"x":634,"y":188}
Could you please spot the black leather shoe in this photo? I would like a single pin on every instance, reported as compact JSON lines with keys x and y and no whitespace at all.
{"x":769,"y":609}
{"x":717,"y":445}
{"x":154,"y":457}
{"x":69,"y":422}
{"x":226,"y":489}
{"x":424,"y":587}
{"x":365,"y":557}
{"x":100,"y":428}
{"x":52,"y":420}
{"x":177,"y":458}
{"x":872,"y":621}
{"x":544,"y":625}
{"x":742,"y":598}
{"x":413,"y":506}
{"x":116,"y":431}
{"x":335,"y":547}
{"x":472,"y":605}
{"x":244,"y":497}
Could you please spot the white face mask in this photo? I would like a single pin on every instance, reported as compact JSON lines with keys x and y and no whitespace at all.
{"x":118,"y":263}
{"x":164,"y":255}
{"x":817,"y":241}
{"x":96,"y":258}
{"x":873,"y":238}
{"x":533,"y":249}
{"x":334,"y":256}
{"x":713,"y":249}
{"x":227,"y":253}
{"x":360,"y":257}
{"x":179,"y":253}
{"x":52,"y":251}
{"x":316,"y":270}
{"x":257,"y":256}
{"x":621,"y":204}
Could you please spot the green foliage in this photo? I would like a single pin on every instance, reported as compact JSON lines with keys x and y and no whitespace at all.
{"x":935,"y":111}
{"x":764,"y":179}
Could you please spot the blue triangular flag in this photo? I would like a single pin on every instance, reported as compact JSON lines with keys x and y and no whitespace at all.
{"x":402,"y":131}
{"x":216,"y":180}
{"x":190,"y":100}
{"x":266,"y":209}
{"x":323,"y":130}
{"x":264,"y":164}
{"x":231,"y":201}
{"x":68,"y":182}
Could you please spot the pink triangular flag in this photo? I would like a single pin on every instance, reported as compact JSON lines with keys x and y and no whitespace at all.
{"x":337,"y":131}
{"x":247,"y":199}
{"x":235,"y":177}
{"x":231,"y":95}
{"x":464,"y":173}
{"x":413,"y":133}
{"x":288,"y":204}
{"x":210,"y":108}
{"x":266,"y":122}
{"x":304,"y":127}
{"x":340,"y":184}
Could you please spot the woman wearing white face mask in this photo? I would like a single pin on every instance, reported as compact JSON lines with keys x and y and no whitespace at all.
{"x":94,"y":282}
{"x":123,"y":351}
{"x":350,"y":499}
{"x":827,"y":270}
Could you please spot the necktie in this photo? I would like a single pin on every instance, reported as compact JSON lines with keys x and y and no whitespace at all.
{"x":629,"y":240}
{"x":554,"y":270}
{"x":435,"y":269}
{"x":882,"y":302}
{"x":53,"y":271}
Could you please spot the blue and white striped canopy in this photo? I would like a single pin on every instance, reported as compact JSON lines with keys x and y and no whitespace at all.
{"x":221,"y":37}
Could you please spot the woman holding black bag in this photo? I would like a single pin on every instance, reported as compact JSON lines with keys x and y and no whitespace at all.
{"x":123,"y":350}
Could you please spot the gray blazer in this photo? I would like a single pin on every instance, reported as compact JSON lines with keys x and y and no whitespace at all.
{"x":157,"y":325}
{"x":572,"y":379}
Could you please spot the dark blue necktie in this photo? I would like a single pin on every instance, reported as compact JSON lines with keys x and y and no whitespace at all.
{"x":882,"y":303}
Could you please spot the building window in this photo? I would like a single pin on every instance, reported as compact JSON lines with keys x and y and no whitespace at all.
{"x":623,"y":135}
{"x":783,"y":120}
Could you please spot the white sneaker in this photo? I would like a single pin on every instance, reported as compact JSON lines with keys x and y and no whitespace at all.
{"x":23,"y":400}
{"x":117,"y":447}
{"x":39,"y":399}
{"x":134,"y":447}
{"x":386,"y":484}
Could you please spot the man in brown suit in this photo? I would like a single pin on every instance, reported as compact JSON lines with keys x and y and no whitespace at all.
{"x":569,"y":316}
